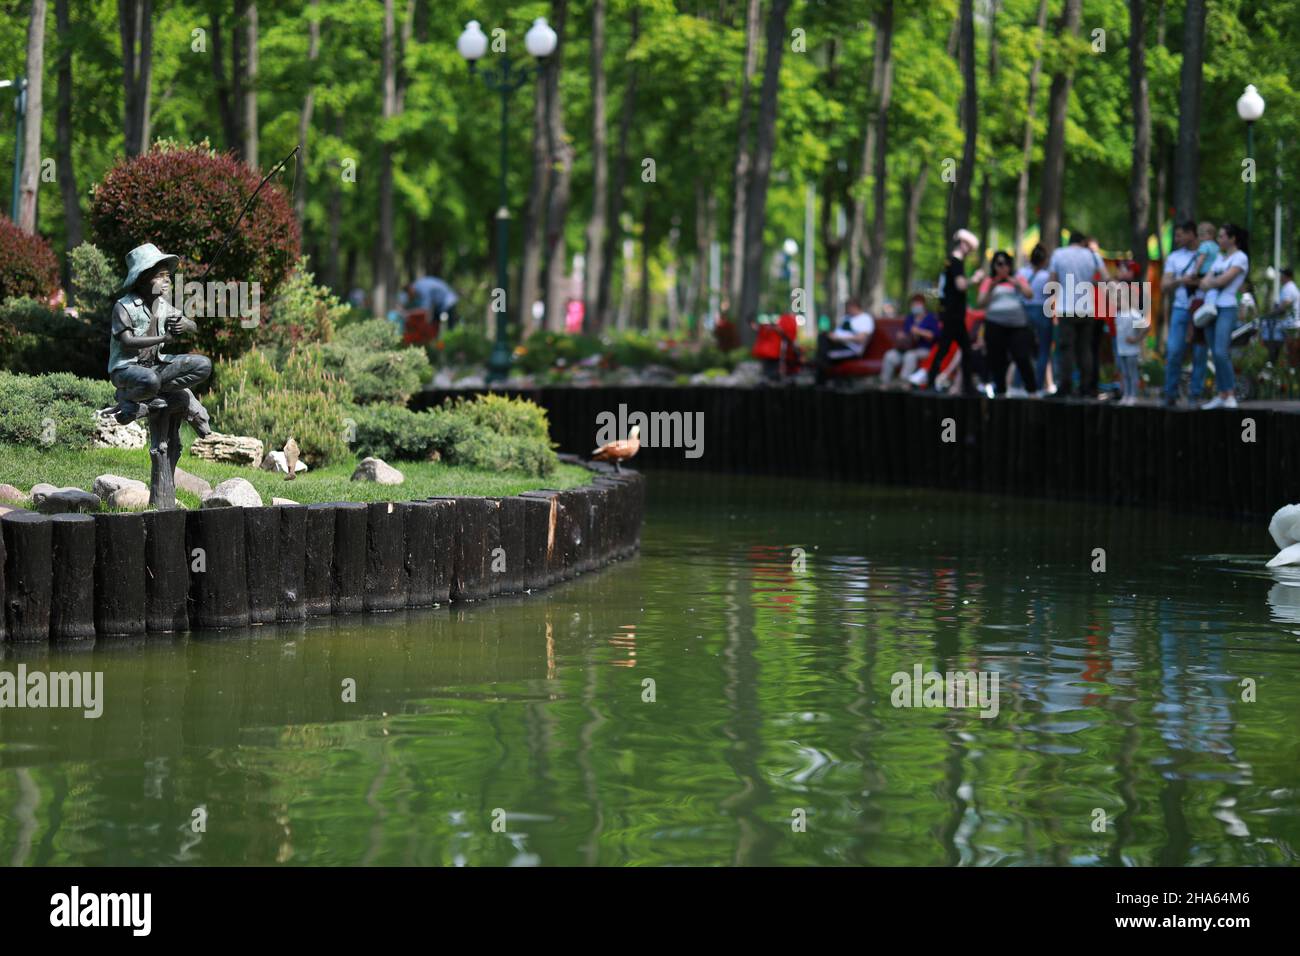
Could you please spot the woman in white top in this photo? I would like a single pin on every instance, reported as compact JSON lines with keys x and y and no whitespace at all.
{"x":1221,"y":284}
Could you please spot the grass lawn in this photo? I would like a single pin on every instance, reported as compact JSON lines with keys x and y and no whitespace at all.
{"x":24,"y":466}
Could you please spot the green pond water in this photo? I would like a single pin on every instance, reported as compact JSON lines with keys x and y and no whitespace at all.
{"x":772,"y":618}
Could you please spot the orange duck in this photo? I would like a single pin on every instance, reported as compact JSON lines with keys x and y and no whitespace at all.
{"x":619,"y":451}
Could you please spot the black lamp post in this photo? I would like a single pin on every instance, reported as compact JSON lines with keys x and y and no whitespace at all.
{"x":504,"y":79}
{"x":1250,"y":107}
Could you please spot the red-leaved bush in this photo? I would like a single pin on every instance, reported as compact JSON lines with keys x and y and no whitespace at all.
{"x":27,"y":264}
{"x":185,"y":199}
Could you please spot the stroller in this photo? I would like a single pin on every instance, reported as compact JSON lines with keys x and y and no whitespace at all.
{"x":776,"y":347}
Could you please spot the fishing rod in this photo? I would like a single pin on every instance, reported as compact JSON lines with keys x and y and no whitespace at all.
{"x":230,"y":234}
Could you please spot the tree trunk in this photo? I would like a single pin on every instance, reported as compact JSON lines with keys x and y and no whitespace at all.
{"x":67,"y":172}
{"x":1186,"y":158}
{"x":959,"y":212}
{"x":135,"y":20}
{"x":225,"y":102}
{"x":561,"y":178}
{"x":1027,"y":151}
{"x":31,"y":177}
{"x":385,"y":251}
{"x":1054,"y":149}
{"x":744,"y":159}
{"x":333,"y":276}
{"x":833,"y":245}
{"x":874,"y":275}
{"x":614,"y":230}
{"x":986,"y":183}
{"x":1139,"y":185}
{"x":756,"y":199}
{"x":859,"y":243}
{"x":535,"y":213}
{"x":913,"y":193}
{"x":250,"y":87}
{"x":643,"y":287}
{"x":304,"y":117}
{"x":596,"y":227}
{"x":706,"y":230}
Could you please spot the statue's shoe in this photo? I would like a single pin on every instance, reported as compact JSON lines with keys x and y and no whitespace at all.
{"x":127,"y":412}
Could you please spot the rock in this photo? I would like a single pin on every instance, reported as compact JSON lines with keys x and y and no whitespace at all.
{"x":276,"y":461}
{"x":109,"y":434}
{"x":233,"y":493}
{"x":106,"y":485}
{"x":9,"y":509}
{"x":13,"y":495}
{"x":235,"y":449}
{"x":471,"y":381}
{"x":376,"y":470}
{"x":192,"y":483}
{"x":283,"y":501}
{"x":130,"y":497}
{"x":56,"y":501}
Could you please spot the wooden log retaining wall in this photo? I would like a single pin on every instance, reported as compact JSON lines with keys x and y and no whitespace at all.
{"x":71,"y":577}
{"x":1183,"y":459}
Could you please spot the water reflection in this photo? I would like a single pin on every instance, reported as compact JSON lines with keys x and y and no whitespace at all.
{"x":770,"y":618}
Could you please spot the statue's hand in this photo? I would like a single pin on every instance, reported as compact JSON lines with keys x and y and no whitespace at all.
{"x":179,"y":325}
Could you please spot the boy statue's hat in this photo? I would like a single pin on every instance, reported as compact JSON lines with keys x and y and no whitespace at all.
{"x":140,"y":260}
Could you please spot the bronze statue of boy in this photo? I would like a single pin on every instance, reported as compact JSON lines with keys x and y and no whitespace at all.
{"x":144,"y":321}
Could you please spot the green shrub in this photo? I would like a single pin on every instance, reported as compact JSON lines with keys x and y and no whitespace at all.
{"x":300,"y":398}
{"x":55,"y":409}
{"x":491,"y":432}
{"x":301,"y":312}
{"x":495,"y":433}
{"x":636,"y":350}
{"x":378,"y":368}
{"x":461,"y":346}
{"x":94,"y":281}
{"x":513,"y":417}
{"x":395,"y":433}
{"x":545,"y":350}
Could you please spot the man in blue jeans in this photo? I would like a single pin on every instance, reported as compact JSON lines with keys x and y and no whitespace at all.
{"x":1179,"y":277}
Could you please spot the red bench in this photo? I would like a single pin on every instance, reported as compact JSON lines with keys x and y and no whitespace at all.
{"x":881,"y":341}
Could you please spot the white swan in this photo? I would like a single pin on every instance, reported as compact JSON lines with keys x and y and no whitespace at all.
{"x":1285,"y":529}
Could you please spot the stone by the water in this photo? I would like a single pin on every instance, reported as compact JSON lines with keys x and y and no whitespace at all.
{"x":233,"y":449}
{"x":106,"y":485}
{"x":50,"y":500}
{"x":132,"y":497}
{"x":233,"y":493}
{"x":13,"y":495}
{"x":192,"y":483}
{"x":378,"y":471}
